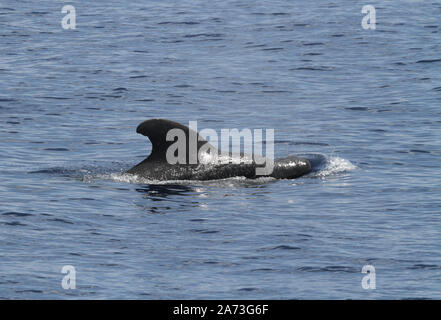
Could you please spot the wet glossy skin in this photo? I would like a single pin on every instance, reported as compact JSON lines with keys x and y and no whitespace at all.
{"x":156,"y":167}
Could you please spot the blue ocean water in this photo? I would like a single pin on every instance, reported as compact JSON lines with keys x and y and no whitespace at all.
{"x":366,"y":104}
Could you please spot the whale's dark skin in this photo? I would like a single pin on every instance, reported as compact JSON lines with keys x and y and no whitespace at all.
{"x":156,"y":167}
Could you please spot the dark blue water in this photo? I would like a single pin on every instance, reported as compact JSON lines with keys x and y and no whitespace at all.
{"x":365,"y":104}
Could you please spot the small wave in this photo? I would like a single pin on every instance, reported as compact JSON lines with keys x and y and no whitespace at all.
{"x":322,"y":166}
{"x":334,"y":269}
{"x":60,"y":171}
{"x":331,"y":166}
{"x":131,"y":178}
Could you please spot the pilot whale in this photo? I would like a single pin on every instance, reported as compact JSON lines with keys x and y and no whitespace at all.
{"x":208,"y":165}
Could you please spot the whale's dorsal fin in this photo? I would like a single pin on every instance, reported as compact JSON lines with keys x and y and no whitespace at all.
{"x":156,"y":130}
